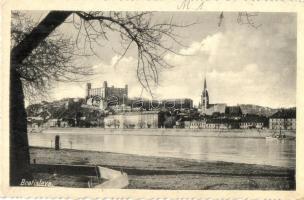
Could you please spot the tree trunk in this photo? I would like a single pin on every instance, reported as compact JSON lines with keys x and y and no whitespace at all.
{"x":19,"y":148}
{"x":38,"y":34}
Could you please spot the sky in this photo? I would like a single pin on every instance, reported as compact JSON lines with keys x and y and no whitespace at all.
{"x":242,"y":64}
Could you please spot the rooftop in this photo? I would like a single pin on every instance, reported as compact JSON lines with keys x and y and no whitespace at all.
{"x":285,"y":114}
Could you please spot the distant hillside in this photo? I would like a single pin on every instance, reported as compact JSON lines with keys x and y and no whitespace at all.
{"x":258,"y":110}
{"x":69,"y":110}
{"x":64,"y":108}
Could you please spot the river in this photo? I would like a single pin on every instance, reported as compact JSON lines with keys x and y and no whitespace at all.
{"x":229,"y":149}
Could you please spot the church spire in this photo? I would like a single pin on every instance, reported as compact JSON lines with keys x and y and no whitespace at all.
{"x":205,"y":97}
{"x":205,"y":83}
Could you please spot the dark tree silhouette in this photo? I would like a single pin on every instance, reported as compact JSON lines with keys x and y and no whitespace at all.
{"x":19,"y":149}
{"x":134,"y":28}
{"x":52,"y":60}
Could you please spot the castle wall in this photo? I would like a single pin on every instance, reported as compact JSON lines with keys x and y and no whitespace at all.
{"x":109,"y":95}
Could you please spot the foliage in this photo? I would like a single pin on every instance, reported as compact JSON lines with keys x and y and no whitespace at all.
{"x":67,"y":110}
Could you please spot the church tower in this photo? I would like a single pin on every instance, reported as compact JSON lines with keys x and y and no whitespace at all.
{"x":205,"y":97}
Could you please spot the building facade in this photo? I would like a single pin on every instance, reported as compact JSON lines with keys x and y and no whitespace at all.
{"x":105,"y":96}
{"x":283,"y":120}
{"x":183,"y":103}
{"x":144,"y":119}
{"x":197,"y":124}
{"x":211,"y":124}
{"x":251,"y":124}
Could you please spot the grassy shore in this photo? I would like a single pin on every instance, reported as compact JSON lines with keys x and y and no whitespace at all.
{"x":173,"y":173}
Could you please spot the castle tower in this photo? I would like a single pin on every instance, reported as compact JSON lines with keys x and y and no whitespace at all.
{"x":105,"y":84}
{"x":126,"y":89}
{"x":205,"y":97}
{"x":89,"y":86}
{"x":105,"y":90}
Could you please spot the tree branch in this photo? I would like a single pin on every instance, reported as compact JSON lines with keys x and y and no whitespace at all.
{"x":38,"y":34}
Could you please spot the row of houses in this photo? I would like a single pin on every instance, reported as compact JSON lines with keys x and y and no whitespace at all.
{"x":281,"y":120}
{"x":285,"y":120}
{"x":153,"y":119}
{"x":224,"y":124}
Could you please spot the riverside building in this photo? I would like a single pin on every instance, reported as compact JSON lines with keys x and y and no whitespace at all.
{"x":283,"y":119}
{"x":133,"y":120}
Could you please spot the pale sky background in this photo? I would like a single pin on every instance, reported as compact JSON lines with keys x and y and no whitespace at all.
{"x":243,"y":65}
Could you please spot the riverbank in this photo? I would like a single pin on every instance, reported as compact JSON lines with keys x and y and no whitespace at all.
{"x":246,"y":133}
{"x":147,"y":172}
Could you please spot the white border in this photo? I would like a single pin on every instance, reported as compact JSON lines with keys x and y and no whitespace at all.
{"x":152,"y":5}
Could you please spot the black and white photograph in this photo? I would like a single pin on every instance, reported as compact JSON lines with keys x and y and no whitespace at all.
{"x":153,"y":100}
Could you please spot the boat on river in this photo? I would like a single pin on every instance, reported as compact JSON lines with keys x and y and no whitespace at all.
{"x":277,"y":136}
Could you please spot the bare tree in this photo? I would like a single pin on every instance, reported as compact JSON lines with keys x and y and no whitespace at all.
{"x":52,"y":60}
{"x":152,"y":40}
{"x":19,"y":149}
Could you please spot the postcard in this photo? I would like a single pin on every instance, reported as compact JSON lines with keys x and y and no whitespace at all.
{"x":152,"y":99}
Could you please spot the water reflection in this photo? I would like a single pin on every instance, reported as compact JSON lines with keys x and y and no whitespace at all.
{"x":240,"y":150}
